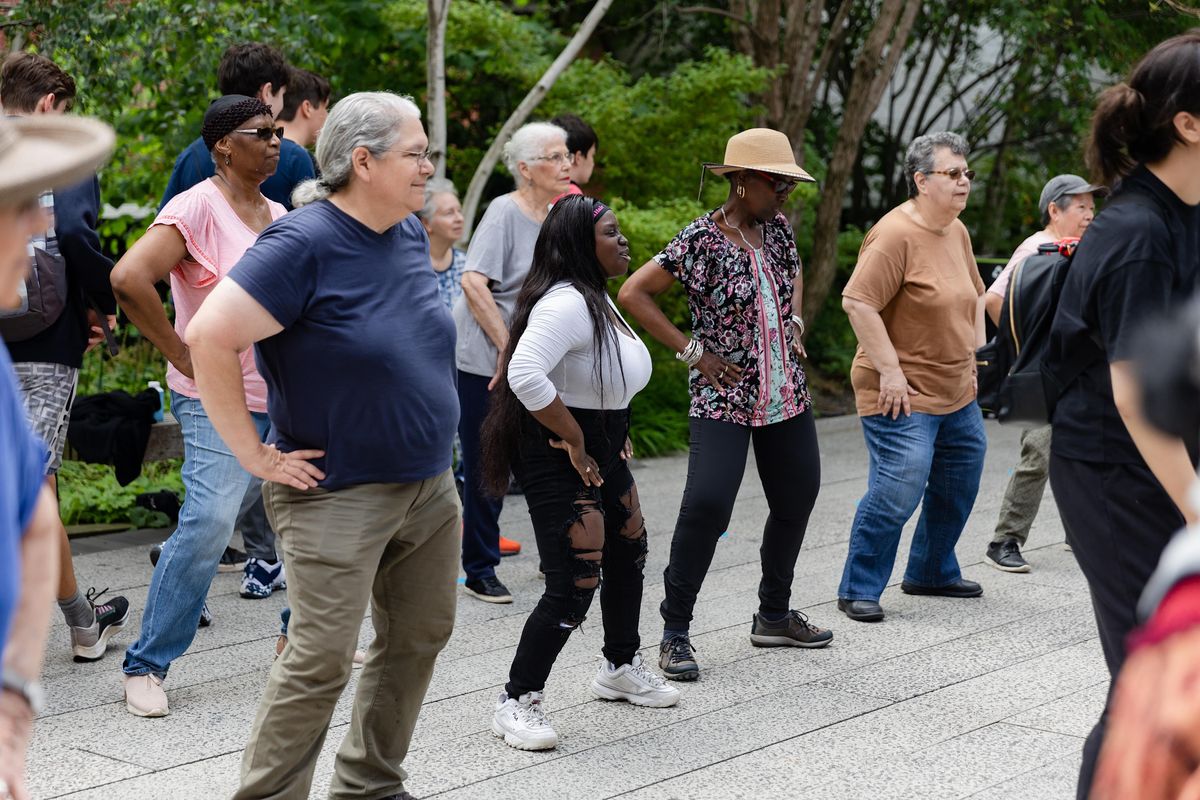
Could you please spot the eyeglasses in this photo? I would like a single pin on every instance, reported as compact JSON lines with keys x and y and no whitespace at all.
{"x":553,"y":158}
{"x":780,"y":185}
{"x":263,"y":133}
{"x":418,"y":155}
{"x":954,"y":173}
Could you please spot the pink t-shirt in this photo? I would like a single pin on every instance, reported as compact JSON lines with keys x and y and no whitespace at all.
{"x":216,"y":237}
{"x":1024,"y":250}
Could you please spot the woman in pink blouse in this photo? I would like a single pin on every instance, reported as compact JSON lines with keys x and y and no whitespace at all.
{"x":195,"y":240}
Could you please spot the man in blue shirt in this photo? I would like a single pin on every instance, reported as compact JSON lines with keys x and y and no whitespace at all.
{"x":36,"y":154}
{"x":255,"y":70}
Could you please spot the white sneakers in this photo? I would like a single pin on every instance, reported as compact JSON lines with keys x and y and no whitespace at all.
{"x":521,"y":721}
{"x":634,"y":683}
{"x":144,"y":696}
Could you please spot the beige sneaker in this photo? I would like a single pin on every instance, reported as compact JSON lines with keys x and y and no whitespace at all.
{"x":144,"y":696}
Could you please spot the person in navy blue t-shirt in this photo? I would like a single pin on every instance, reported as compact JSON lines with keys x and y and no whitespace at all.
{"x":357,"y":350}
{"x":255,"y":70}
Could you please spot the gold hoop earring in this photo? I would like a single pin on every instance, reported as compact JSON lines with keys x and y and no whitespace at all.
{"x":741,"y":190}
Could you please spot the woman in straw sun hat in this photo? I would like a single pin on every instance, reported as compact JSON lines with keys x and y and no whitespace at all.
{"x":739,"y":267}
{"x":36,"y":155}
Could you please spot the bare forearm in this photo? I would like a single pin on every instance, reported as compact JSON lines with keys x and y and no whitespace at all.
{"x":142,"y":305}
{"x":873,"y":337}
{"x":642,"y":307}
{"x":980,"y":325}
{"x":992,"y":303}
{"x":219,"y":378}
{"x":1166,"y":456}
{"x":26,"y":645}
{"x":483,"y":308}
{"x":558,"y":419}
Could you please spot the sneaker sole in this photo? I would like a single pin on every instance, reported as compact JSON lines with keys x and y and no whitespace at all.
{"x":684,"y":675}
{"x":605,"y":693}
{"x":760,"y":640}
{"x":151,"y":714}
{"x":515,"y":742}
{"x":488,"y":598}
{"x":86,"y":655}
{"x":988,"y":560}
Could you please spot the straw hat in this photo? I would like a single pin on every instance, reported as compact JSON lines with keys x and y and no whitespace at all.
{"x":49,"y":151}
{"x":762,"y":149}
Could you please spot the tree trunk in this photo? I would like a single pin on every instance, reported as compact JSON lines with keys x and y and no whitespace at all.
{"x":522,"y":112}
{"x":872,"y":71}
{"x":435,"y":83}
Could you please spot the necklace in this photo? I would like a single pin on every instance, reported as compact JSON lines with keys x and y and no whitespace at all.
{"x":737,"y":228}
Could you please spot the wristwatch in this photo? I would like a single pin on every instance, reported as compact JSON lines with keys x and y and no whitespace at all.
{"x":29,"y":690}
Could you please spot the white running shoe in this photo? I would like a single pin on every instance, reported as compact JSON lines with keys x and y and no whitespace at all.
{"x":635,"y":683}
{"x":521,"y":722}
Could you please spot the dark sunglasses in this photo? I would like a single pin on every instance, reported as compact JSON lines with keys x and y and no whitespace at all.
{"x":955,"y":173}
{"x":263,"y":133}
{"x":780,"y":185}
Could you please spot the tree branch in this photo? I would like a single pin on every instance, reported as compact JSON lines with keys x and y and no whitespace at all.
{"x":522,"y":112}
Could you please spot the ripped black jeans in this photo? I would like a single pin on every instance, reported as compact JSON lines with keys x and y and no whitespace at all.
{"x":587,"y":537}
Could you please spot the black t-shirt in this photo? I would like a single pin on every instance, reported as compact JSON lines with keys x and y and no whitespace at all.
{"x":1139,"y":259}
{"x":76,"y":213}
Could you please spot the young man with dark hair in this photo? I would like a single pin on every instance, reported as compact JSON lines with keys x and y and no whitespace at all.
{"x":581,"y":144}
{"x":305,"y":107}
{"x":47,"y":363}
{"x":255,"y":70}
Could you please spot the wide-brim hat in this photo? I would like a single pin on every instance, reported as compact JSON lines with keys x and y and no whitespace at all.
{"x":49,"y":151}
{"x":762,"y":149}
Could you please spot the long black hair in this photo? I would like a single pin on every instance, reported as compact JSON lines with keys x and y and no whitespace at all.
{"x":565,"y":252}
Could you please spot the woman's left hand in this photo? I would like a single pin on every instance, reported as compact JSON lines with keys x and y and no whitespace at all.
{"x":291,"y":469}
{"x":627,"y":450}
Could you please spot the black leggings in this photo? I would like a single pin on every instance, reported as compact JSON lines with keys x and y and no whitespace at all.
{"x":582,"y":532}
{"x":789,"y":465}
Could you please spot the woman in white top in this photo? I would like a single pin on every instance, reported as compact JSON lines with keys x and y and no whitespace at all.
{"x":561,"y":421}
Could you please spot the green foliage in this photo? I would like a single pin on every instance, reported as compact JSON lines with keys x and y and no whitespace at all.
{"x":89,"y":493}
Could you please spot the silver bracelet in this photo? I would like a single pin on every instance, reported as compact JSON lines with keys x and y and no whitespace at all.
{"x":691,"y":354}
{"x":799,"y":323}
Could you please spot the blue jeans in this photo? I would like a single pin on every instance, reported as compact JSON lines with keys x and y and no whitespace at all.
{"x":214,"y":484}
{"x":932,"y":459}
{"x":481,"y":511}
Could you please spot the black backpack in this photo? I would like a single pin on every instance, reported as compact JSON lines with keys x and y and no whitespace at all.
{"x":1013,"y":384}
{"x":44,"y":295}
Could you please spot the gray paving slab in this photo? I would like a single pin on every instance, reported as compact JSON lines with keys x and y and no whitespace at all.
{"x":916,"y":706}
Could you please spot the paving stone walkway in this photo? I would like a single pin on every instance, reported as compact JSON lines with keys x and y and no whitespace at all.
{"x":982,"y":698}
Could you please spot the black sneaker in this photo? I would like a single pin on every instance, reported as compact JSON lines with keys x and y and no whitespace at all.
{"x":794,"y":630}
{"x":206,"y":617}
{"x":1006,"y":556}
{"x":677,"y":659}
{"x":232,"y":560}
{"x":89,"y":644}
{"x":489,"y":590}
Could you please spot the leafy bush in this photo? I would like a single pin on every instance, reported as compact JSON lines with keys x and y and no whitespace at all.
{"x":89,"y":493}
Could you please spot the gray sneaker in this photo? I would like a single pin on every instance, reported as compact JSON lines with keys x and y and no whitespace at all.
{"x":1006,"y":556}
{"x":794,"y":630}
{"x":677,"y":659}
{"x":89,"y":644}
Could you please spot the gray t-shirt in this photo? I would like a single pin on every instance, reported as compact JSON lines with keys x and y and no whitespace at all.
{"x":502,"y":250}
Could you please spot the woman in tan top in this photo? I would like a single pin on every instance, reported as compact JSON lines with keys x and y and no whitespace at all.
{"x":915,"y":301}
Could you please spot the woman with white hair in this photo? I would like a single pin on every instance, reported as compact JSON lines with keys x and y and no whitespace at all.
{"x":498,"y":259}
{"x":338,"y":296}
{"x":442,"y":217}
{"x":916,"y":304}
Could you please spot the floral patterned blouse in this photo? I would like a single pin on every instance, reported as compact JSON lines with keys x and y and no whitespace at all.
{"x":725,"y":287}
{"x":450,"y":279}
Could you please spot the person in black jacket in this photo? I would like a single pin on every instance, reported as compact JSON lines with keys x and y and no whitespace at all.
{"x":1120,"y":485}
{"x":47,"y":365}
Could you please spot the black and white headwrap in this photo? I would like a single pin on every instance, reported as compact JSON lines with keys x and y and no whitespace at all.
{"x":227,"y":114}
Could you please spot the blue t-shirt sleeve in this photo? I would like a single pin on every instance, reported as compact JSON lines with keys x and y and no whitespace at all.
{"x":278,"y":270}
